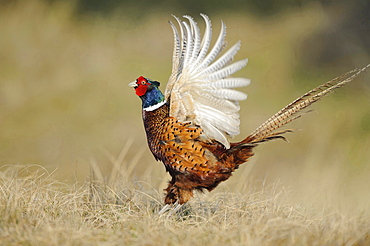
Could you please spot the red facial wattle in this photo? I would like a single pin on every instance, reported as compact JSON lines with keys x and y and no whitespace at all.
{"x":141,"y":90}
{"x":142,"y":86}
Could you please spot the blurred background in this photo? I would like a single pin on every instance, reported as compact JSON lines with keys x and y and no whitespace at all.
{"x":65,"y":103}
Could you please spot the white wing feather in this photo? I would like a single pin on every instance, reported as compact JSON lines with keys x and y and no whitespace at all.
{"x":199,"y":88}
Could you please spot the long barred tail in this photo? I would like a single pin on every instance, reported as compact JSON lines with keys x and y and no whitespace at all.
{"x":270,"y":129}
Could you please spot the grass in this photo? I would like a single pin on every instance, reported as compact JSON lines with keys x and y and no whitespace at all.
{"x":75,"y":167}
{"x":38,"y":210}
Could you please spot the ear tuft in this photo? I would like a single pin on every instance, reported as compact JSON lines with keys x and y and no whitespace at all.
{"x":156,"y":83}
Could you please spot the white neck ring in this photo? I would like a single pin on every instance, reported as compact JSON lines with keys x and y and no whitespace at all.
{"x":155,"y":106}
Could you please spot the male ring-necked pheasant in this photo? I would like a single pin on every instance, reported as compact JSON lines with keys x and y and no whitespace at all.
{"x":189,"y":127}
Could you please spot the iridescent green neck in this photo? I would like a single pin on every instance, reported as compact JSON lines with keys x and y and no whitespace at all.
{"x":152,"y":99}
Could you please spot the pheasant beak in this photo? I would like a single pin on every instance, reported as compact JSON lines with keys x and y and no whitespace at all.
{"x":132,"y":84}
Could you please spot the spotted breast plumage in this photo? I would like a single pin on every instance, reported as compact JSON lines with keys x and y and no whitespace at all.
{"x":190,"y":126}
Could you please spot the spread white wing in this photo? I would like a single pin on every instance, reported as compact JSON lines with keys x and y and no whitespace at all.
{"x":200,"y":89}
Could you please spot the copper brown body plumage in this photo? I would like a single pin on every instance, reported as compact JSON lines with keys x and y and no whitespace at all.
{"x":193,"y":162}
{"x":189,"y":128}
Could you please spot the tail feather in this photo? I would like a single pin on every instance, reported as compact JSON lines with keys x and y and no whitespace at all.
{"x":293,"y":111}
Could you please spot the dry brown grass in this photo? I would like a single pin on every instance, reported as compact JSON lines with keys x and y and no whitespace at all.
{"x":65,"y":106}
{"x":38,"y":210}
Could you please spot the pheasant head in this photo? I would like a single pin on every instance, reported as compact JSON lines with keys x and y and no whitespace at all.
{"x":151,"y":97}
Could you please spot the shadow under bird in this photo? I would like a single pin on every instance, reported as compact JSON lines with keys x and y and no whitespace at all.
{"x":189,"y":127}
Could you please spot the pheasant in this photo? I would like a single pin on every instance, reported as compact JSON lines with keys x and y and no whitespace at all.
{"x":189,"y":127}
